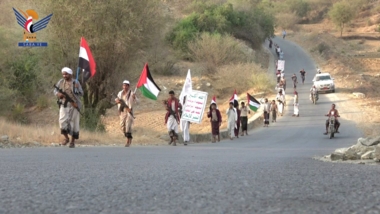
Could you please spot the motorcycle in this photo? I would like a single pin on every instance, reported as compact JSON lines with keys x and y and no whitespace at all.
{"x":331,"y":129}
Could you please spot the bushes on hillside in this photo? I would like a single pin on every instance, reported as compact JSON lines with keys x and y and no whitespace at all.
{"x":299,"y":7}
{"x":287,"y":20}
{"x":216,"y":50}
{"x":247,"y":75}
{"x":252,"y":26}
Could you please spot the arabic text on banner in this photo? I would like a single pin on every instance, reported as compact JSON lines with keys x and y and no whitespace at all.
{"x":195,"y":106}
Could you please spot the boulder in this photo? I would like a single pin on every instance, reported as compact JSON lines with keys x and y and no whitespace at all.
{"x":351,"y":154}
{"x":336,"y":156}
{"x":377,"y":152}
{"x":360,"y":148}
{"x":208,"y":84}
{"x":358,"y":95}
{"x":371,"y":141}
{"x":341,"y":150}
{"x":368,"y":155}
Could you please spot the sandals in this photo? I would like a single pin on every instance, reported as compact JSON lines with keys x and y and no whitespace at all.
{"x":65,"y":142}
{"x":72,"y":145}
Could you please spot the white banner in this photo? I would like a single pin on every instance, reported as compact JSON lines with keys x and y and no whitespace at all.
{"x":281,"y":65}
{"x":194,"y":106}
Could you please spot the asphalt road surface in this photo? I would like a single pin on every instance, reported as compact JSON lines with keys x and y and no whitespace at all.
{"x":269,"y":171}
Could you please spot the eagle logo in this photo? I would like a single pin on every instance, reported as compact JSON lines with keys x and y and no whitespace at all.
{"x":25,"y":20}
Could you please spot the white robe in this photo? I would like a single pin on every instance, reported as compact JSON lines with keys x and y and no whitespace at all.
{"x":280,"y":105}
{"x":172,"y":124}
{"x":231,"y":121}
{"x":185,"y":127}
{"x":296,"y":105}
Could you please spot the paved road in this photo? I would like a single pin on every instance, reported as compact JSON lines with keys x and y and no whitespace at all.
{"x":270,"y":171}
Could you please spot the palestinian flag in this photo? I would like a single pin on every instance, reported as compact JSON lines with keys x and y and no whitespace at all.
{"x":253,"y":103}
{"x":147,"y":85}
{"x":234,"y":99}
{"x":86,"y":61}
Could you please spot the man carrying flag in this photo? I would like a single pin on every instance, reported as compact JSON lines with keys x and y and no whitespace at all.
{"x":244,"y":111}
{"x":184,"y":124}
{"x":69,"y":91}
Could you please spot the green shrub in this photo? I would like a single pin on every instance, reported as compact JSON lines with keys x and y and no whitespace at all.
{"x":91,"y":121}
{"x":22,"y":76}
{"x":42,"y":102}
{"x":253,"y":26}
{"x":17,"y":114}
{"x":322,"y":47}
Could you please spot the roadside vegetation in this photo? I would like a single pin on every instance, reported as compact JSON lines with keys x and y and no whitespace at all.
{"x":220,"y":39}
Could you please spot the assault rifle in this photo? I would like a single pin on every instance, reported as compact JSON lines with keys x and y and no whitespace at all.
{"x":123,"y":105}
{"x":171,"y":110}
{"x":67,"y":99}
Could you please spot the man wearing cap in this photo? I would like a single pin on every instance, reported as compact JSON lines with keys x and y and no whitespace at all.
{"x":126,"y":112}
{"x":172,"y":117}
{"x":68,"y":114}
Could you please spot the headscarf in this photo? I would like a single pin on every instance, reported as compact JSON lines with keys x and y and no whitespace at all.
{"x":67,"y":70}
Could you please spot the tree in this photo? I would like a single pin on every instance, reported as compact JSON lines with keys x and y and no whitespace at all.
{"x":116,"y":31}
{"x":341,"y":13}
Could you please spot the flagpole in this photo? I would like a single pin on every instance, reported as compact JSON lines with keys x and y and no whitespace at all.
{"x":78,"y":71}
{"x":78,"y":68}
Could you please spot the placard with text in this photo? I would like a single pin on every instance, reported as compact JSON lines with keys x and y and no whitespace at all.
{"x":195,"y":106}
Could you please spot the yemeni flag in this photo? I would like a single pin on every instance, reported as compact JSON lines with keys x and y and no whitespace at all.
{"x":147,"y":85}
{"x":234,"y":99}
{"x":213,"y":100}
{"x":253,"y":103}
{"x":86,"y":61}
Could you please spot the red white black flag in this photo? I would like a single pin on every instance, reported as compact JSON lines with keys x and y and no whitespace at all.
{"x":234,"y":99}
{"x":86,"y":61}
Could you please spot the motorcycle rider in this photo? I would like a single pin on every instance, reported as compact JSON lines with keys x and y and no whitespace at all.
{"x":333,"y":112}
{"x":313,"y":90}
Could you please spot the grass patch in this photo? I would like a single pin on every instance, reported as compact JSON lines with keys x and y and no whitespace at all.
{"x":244,"y":76}
{"x":287,"y":21}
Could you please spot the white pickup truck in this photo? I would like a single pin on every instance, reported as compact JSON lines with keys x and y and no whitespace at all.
{"x":324,"y":82}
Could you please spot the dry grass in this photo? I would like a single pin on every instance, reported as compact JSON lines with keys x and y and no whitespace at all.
{"x":217,"y":50}
{"x":287,"y":21}
{"x":46,"y":135}
{"x":244,"y":76}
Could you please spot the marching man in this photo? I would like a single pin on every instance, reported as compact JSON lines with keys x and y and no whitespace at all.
{"x":172,"y":117}
{"x":125,"y":100}
{"x":68,"y":88}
